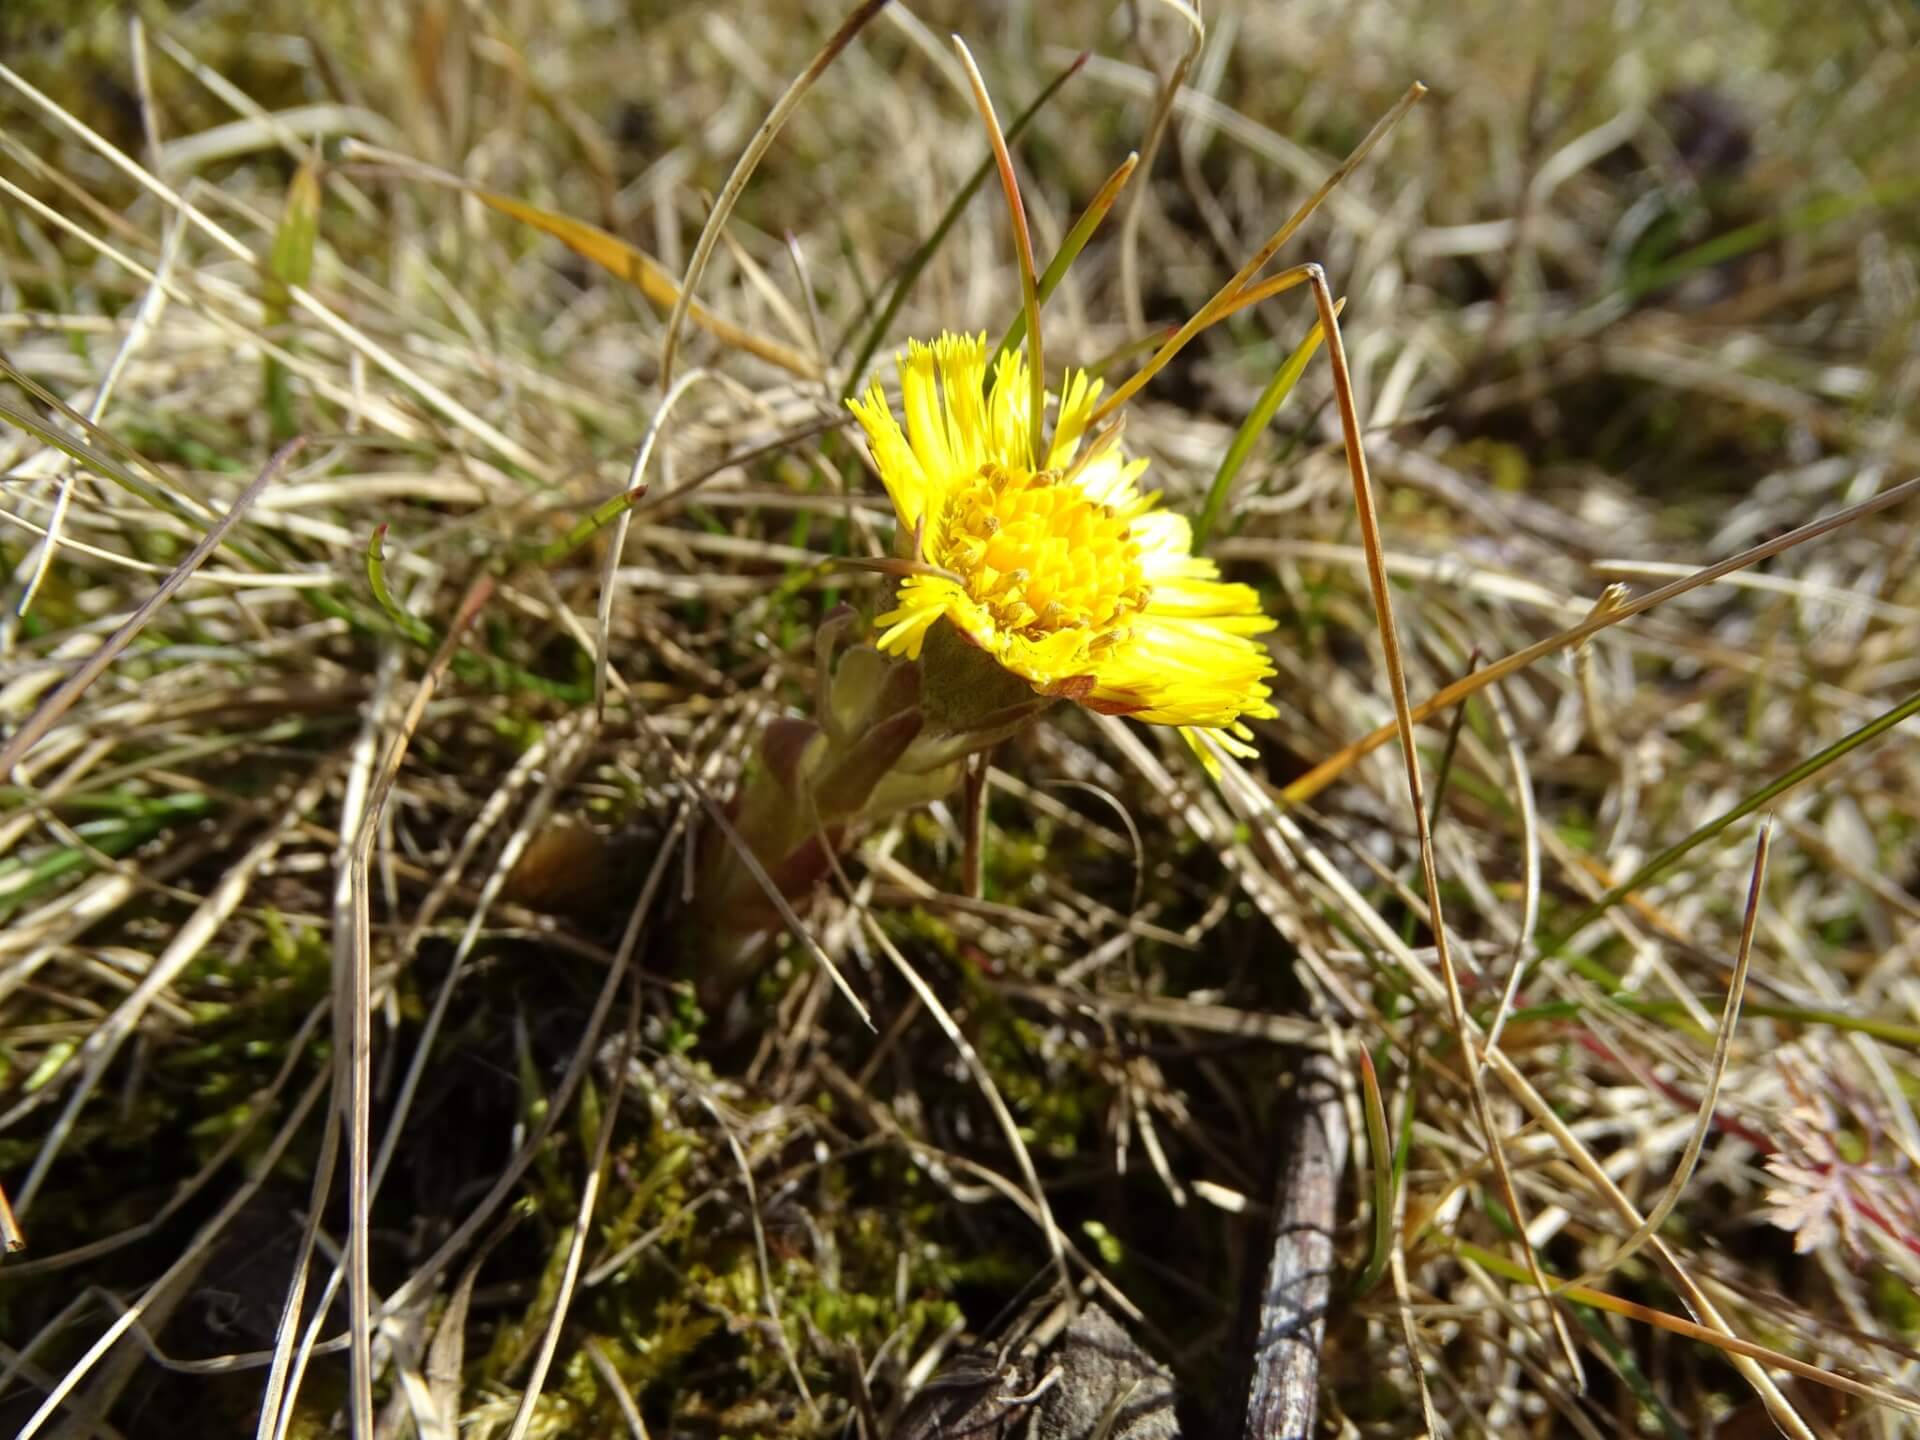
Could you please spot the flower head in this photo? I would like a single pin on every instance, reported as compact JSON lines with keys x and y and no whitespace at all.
{"x":1059,"y":567}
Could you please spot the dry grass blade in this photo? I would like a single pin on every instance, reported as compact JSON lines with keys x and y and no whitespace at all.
{"x":1262,"y":413}
{"x":353,"y":1017}
{"x":916,"y":263}
{"x":743,"y":170}
{"x":610,"y":1377}
{"x":583,"y":1056}
{"x":57,"y":704}
{"x":1163,"y":101}
{"x":1537,"y":1105}
{"x":1410,"y":1335}
{"x":1070,"y":248}
{"x":434,"y":394}
{"x":611,"y":253}
{"x":291,"y":1351}
{"x":983,"y":1078}
{"x":1905,"y":1402}
{"x":216,"y":1162}
{"x":1778,"y":1406}
{"x":1227,"y":293}
{"x":635,"y":489}
{"x":1244,"y":299}
{"x":769,"y":1298}
{"x":1530,"y":874}
{"x":1764,"y":795}
{"x":188,"y":1261}
{"x":152,"y":306}
{"x":93,"y":457}
{"x":1334,"y":766}
{"x":1716,"y":1075}
{"x":582,"y":1228}
{"x":640,"y":270}
{"x":1416,"y":794}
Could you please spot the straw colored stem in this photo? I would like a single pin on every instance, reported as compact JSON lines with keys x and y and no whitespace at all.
{"x":1369,"y":519}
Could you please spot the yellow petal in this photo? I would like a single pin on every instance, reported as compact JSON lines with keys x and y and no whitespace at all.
{"x":1076,"y":404}
{"x":1008,"y":431}
{"x":926,"y":415}
{"x":900,"y":469}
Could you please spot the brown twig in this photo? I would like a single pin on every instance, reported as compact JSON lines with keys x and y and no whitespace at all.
{"x":1290,"y":1316}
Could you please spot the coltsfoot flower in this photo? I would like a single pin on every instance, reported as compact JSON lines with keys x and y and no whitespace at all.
{"x":1062,"y":570}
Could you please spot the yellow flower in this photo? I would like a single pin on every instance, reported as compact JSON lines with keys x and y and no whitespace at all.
{"x":1064,"y":572}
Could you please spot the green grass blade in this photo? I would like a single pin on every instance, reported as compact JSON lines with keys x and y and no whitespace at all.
{"x":409,"y":625}
{"x":98,"y":461}
{"x":1630,"y":1373}
{"x":1826,"y":210}
{"x":1258,"y":418}
{"x":1379,"y":1152}
{"x":1069,"y":251}
{"x":1766,"y":795}
{"x":584,"y":529}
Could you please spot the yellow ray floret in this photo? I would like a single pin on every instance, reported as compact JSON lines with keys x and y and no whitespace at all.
{"x":1061,"y":569}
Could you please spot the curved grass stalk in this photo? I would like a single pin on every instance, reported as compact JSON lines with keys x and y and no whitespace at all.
{"x":1367,"y":513}
{"x":1224,"y":298}
{"x":409,"y":624}
{"x":1163,"y":103}
{"x":1731,"y":1345}
{"x":69,"y":690}
{"x":1338,"y":763}
{"x":609,"y":577}
{"x":1722,"y":1048}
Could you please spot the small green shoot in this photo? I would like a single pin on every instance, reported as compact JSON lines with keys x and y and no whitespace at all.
{"x":1385,"y":1168}
{"x":289,"y":264}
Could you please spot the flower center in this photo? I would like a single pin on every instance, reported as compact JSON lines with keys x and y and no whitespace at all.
{"x":1039,"y":555}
